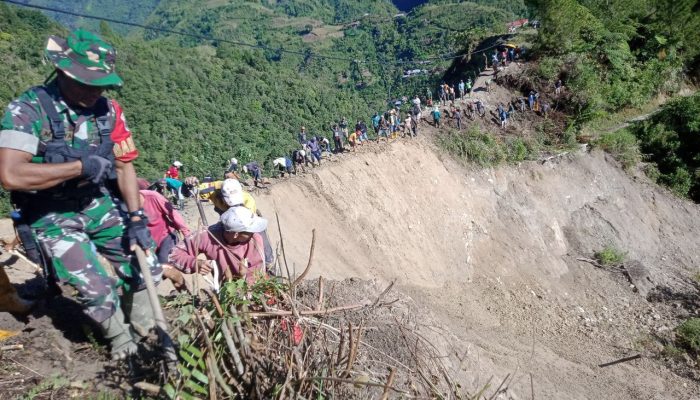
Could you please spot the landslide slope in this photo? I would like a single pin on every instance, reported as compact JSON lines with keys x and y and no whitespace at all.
{"x":491,"y":254}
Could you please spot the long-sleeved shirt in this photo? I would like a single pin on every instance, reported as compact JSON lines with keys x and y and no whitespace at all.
{"x":162,"y":218}
{"x":211,"y":243}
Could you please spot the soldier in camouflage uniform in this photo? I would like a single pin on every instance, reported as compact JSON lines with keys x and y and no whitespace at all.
{"x":66,"y":155}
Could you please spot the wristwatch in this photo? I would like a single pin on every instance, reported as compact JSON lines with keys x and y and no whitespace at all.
{"x":138,"y":213}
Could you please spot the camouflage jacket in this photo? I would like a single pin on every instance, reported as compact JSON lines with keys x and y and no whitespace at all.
{"x":26,"y":127}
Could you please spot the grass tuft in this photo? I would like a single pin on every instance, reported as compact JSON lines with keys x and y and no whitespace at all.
{"x":610,"y":255}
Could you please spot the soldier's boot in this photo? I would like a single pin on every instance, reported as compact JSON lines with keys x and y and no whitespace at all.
{"x":138,"y":306}
{"x":119,"y":334}
{"x":9,"y":300}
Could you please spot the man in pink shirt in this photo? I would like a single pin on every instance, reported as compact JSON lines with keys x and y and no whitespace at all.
{"x":163,"y":221}
{"x":233,"y":242}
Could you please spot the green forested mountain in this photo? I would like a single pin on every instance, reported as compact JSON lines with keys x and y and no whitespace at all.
{"x":203,"y":102}
{"x":135,"y":11}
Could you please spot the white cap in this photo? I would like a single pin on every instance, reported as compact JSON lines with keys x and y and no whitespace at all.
{"x":234,"y":161}
{"x":241,"y":219}
{"x":279,"y":161}
{"x":245,"y":169}
{"x":232,"y":192}
{"x":177,"y":164}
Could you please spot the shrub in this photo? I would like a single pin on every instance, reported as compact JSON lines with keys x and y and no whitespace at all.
{"x":688,"y":335}
{"x":610,"y":255}
{"x":623,"y":145}
{"x":680,"y":181}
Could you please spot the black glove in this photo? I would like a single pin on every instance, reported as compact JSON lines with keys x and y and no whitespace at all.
{"x":95,"y":168}
{"x":55,"y":152}
{"x":137,"y":233}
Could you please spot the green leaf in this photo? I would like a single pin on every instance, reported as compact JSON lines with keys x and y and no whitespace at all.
{"x":170,"y":391}
{"x":660,"y":39}
{"x":184,"y":371}
{"x":188,"y":358}
{"x":200,"y":377}
{"x":196,"y":387}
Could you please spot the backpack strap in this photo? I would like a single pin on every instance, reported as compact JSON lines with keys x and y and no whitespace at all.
{"x":58,"y":129}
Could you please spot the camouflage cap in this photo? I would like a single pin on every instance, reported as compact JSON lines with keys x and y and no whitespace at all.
{"x":85,"y":57}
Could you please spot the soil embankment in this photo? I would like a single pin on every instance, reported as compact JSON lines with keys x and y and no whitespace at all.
{"x":492,"y":256}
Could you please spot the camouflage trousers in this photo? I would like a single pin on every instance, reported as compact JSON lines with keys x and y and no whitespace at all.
{"x":73,"y":240}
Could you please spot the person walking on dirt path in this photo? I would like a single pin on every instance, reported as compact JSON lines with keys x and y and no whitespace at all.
{"x":499,"y":108}
{"x":531,"y":100}
{"x":363,"y":131}
{"x":545,"y":109}
{"x":324,"y":143}
{"x":416,"y":101}
{"x":254,"y":169}
{"x":414,"y":125}
{"x":480,"y":109}
{"x":470,"y":110}
{"x":174,"y":170}
{"x":511,"y":110}
{"x":301,"y":137}
{"x":66,"y":156}
{"x":375,"y":122}
{"x":173,"y":183}
{"x":352,"y":140}
{"x":383,"y":129}
{"x":428,"y":94}
{"x":488,"y":85}
{"x":391,"y":123}
{"x":443,"y":95}
{"x":557,"y":87}
{"x":521,"y":101}
{"x":299,"y":158}
{"x":436,"y":116}
{"x":460,"y":87}
{"x":504,"y":118}
{"x":283,"y":165}
{"x":235,"y":243}
{"x":358,"y":130}
{"x":315,"y":150}
{"x":233,"y":165}
{"x":164,"y":222}
{"x":337,"y":139}
{"x":469,"y":86}
{"x":458,"y":118}
{"x":344,"y":127}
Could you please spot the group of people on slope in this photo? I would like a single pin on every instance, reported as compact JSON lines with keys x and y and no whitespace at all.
{"x":237,"y":245}
{"x":66,"y":157}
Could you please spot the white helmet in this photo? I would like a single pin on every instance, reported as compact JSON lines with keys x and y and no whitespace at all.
{"x":177,"y":164}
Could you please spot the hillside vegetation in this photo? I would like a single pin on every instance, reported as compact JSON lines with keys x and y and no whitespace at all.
{"x":616,"y":54}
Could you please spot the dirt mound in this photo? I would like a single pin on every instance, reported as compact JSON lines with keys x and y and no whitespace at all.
{"x":492,"y":254}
